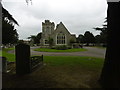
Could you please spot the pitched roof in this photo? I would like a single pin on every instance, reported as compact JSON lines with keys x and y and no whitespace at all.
{"x":61,"y":25}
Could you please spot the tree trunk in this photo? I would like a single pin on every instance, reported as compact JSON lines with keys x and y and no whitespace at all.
{"x":110,"y":76}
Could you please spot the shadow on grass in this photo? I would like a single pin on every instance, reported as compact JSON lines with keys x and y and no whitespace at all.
{"x":64,"y":72}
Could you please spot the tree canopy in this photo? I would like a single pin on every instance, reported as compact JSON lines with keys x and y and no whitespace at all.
{"x":35,"y":39}
{"x":8,"y":17}
{"x":87,"y":38}
{"x":9,"y":33}
{"x":102,"y":38}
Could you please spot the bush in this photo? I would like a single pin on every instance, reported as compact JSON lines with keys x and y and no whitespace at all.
{"x":63,"y":47}
{"x":69,"y":47}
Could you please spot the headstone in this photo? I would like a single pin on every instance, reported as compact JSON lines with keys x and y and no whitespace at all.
{"x":22,"y":52}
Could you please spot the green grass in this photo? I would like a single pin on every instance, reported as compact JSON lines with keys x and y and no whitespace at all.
{"x":59,"y":72}
{"x":9,"y":56}
{"x":55,"y":50}
{"x":87,"y":62}
{"x":62,"y":60}
{"x":0,"y":52}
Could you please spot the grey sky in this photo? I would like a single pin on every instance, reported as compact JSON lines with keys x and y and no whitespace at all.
{"x":77,"y":15}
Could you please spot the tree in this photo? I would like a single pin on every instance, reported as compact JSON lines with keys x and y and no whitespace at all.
{"x":110,"y":76}
{"x":89,"y":38}
{"x":38,"y":37}
{"x":50,"y":41}
{"x":35,"y":39}
{"x":80,"y":39}
{"x":6,"y":16}
{"x":9,"y":33}
{"x":98,"y":39}
{"x":103,"y":33}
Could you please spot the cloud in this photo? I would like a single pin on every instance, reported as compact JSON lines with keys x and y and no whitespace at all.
{"x":77,"y":15}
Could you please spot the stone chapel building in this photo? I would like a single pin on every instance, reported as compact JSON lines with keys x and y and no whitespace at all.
{"x":60,"y":35}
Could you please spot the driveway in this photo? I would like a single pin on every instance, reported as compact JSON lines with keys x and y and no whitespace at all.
{"x":91,"y":51}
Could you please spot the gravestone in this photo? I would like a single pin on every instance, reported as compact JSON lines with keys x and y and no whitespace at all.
{"x":22,"y":53}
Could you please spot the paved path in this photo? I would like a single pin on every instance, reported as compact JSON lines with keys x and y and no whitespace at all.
{"x":91,"y":51}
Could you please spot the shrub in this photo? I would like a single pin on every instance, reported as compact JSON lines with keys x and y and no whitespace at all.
{"x":69,"y":47}
{"x":63,"y":47}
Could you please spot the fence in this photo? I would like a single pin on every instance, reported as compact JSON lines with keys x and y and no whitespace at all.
{"x":36,"y":61}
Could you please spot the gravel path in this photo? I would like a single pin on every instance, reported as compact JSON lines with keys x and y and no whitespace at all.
{"x":91,"y":51}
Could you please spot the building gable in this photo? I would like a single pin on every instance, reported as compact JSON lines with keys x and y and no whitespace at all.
{"x":61,"y":28}
{"x":60,"y":36}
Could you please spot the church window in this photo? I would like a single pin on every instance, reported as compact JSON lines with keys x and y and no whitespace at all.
{"x":61,"y":38}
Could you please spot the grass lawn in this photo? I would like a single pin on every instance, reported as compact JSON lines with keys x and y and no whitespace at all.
{"x":74,"y":71}
{"x":55,"y":50}
{"x":9,"y":56}
{"x":58,"y":72}
{"x":0,"y":52}
{"x":88,"y":62}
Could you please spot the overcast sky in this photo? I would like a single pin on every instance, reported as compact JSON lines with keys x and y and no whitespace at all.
{"x":77,"y":15}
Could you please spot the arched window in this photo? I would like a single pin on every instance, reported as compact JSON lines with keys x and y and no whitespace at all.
{"x":60,"y":38}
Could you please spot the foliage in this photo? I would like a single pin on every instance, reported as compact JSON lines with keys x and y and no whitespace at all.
{"x":72,"y":41}
{"x":9,"y":34}
{"x":35,"y":39}
{"x":38,"y":37}
{"x":103,"y":34}
{"x":102,"y":38}
{"x":80,"y":39}
{"x":61,"y":47}
{"x":20,"y":41}
{"x":6,"y":16}
{"x":50,"y":41}
{"x":88,"y":37}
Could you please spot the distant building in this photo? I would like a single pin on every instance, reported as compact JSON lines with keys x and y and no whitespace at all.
{"x":59,"y":35}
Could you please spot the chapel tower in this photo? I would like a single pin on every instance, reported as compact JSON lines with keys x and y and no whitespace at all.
{"x":47,"y":27}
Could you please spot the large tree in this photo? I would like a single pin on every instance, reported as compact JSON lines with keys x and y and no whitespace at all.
{"x":102,"y":38}
{"x":110,"y":76}
{"x":35,"y":39}
{"x":9,"y":33}
{"x":89,"y":38}
{"x":80,"y":39}
{"x":6,"y":16}
{"x":38,"y":37}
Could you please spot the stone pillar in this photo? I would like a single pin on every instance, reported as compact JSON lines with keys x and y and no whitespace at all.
{"x":22,"y":53}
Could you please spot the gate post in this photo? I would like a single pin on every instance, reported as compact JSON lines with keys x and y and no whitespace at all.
{"x":22,"y":53}
{"x":4,"y":64}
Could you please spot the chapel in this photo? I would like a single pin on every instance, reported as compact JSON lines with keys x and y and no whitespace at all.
{"x":59,"y":34}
